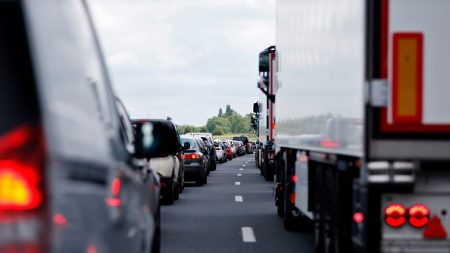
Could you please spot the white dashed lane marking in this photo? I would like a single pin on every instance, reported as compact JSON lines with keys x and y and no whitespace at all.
{"x":241,"y":169}
{"x":237,"y":183}
{"x":248,"y":235}
{"x":238,"y":198}
{"x":239,"y":174}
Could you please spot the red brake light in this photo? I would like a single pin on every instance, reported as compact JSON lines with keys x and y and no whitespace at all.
{"x":191,"y":156}
{"x":115,"y":187}
{"x":418,"y":215}
{"x":358,"y":217}
{"x":395,"y":215}
{"x":292,"y":197}
{"x":21,"y":163}
{"x":294,"y":179}
{"x":18,"y":186}
{"x":114,"y":201}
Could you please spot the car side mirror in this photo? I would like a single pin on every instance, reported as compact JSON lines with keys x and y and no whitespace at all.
{"x":155,"y":139}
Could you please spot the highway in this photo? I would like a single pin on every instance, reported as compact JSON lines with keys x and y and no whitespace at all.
{"x":234,"y":212}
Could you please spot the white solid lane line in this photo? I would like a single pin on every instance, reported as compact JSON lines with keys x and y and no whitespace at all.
{"x":239,"y":174}
{"x":248,"y":235}
{"x":237,"y":183}
{"x":238,"y":198}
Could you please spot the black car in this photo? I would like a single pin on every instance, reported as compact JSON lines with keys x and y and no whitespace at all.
{"x":68,"y":179}
{"x":209,"y":142}
{"x":196,"y":159}
{"x":170,"y":167}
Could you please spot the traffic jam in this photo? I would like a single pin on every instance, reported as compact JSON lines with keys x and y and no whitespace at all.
{"x":349,"y":149}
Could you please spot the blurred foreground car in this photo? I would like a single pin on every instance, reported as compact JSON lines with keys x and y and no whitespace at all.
{"x":195,"y":159}
{"x":68,"y":180}
{"x":169,"y":166}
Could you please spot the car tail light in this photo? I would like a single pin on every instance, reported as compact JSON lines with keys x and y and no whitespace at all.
{"x":21,"y":165}
{"x":22,"y":196}
{"x":292,"y":197}
{"x":191,"y":156}
{"x":418,"y":215}
{"x":395,"y":215}
{"x":115,"y":190}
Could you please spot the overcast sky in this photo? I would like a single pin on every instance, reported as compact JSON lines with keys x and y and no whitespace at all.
{"x":184,"y":58}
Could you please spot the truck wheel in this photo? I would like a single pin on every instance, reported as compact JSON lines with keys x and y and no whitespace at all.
{"x":319,"y":216}
{"x":268,"y":172}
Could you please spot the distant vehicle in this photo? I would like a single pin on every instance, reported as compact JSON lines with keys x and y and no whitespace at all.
{"x":169,"y":166}
{"x":247,"y":144}
{"x":69,"y":180}
{"x":209,"y":142}
{"x":220,"y":151}
{"x":195,"y":159}
{"x":265,"y":113}
{"x":228,"y":151}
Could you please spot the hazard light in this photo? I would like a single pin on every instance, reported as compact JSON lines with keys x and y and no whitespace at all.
{"x":395,"y":215}
{"x":418,"y":215}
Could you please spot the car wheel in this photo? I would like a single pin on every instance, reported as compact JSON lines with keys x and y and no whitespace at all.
{"x":170,"y":193}
{"x":201,"y":178}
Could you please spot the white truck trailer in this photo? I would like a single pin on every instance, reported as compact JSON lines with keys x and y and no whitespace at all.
{"x":264,"y":109}
{"x":363,"y":122}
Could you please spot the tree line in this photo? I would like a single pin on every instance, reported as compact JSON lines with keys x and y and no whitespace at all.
{"x":226,"y":122}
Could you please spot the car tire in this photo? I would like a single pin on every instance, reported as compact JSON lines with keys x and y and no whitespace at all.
{"x":170,"y":193}
{"x":201,"y":178}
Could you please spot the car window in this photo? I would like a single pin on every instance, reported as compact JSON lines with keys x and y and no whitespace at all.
{"x":190,"y":141}
{"x":126,"y":129}
{"x":16,"y":83}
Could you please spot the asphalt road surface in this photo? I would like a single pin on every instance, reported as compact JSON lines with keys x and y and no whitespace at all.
{"x":234,"y":212}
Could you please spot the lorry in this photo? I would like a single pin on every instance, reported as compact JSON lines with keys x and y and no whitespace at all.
{"x":264,"y":110}
{"x":363,"y":123}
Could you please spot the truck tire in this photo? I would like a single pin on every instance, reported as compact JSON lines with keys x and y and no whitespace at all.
{"x":268,"y":171}
{"x":318,"y":215}
{"x":279,"y":194}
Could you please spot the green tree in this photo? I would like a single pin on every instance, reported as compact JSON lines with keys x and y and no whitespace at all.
{"x":220,"y":112}
{"x":229,"y":111}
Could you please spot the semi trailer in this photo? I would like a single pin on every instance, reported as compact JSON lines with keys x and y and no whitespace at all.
{"x":363,"y":123}
{"x":264,"y":109}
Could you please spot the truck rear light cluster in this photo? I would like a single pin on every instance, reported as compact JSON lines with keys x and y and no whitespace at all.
{"x":417,"y":215}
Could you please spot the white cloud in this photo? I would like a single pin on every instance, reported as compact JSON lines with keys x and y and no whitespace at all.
{"x":163,"y":53}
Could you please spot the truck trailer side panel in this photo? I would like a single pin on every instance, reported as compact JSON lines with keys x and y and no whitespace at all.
{"x":320,"y":75}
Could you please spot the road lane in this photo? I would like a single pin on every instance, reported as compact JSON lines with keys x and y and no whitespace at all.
{"x":207,"y":219}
